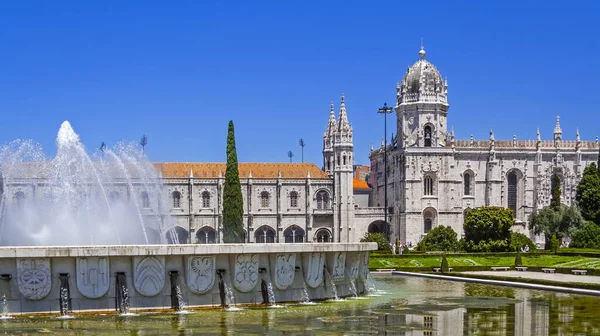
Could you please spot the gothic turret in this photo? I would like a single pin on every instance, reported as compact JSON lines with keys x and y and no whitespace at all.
{"x":328,"y":140}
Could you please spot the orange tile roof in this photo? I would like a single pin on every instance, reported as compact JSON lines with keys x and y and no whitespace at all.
{"x":259,"y":170}
{"x":359,"y":184}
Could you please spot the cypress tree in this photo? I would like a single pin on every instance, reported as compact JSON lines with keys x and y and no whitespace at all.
{"x":444,"y":265}
{"x":555,"y":201}
{"x":233,"y":203}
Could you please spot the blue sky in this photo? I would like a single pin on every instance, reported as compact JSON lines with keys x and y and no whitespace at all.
{"x":178,"y":71}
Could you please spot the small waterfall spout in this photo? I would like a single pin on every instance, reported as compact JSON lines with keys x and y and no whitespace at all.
{"x":177,"y":302}
{"x":226,"y":293}
{"x":267,"y":289}
{"x":305,"y":296}
{"x":333,"y":289}
{"x":65,"y":296}
{"x":4,"y":308}
{"x":122,"y":297}
{"x":371,"y":287}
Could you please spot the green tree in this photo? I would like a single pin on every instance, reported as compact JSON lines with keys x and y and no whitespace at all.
{"x":487,"y":229}
{"x":555,"y":201}
{"x":559,"y":222}
{"x":587,"y":236}
{"x":519,"y":240}
{"x":233,"y":202}
{"x":382,"y":242}
{"x":588,"y":194}
{"x":440,"y":238}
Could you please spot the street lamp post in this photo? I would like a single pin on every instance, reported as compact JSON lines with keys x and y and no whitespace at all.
{"x":385,"y":110}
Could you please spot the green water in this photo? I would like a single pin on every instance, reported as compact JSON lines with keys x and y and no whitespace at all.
{"x":413,"y":306}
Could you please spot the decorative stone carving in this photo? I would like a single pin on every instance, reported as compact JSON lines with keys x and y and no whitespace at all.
{"x":92,"y":276}
{"x":313,"y":268}
{"x":245,"y":275}
{"x":364,"y":266}
{"x":353,"y":266}
{"x":149,"y":275}
{"x":201,"y":273}
{"x":284,"y":269}
{"x":336,"y":263}
{"x":34,"y":278}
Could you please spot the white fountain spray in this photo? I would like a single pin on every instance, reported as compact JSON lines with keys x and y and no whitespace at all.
{"x":4,"y":309}
{"x":79,"y":199}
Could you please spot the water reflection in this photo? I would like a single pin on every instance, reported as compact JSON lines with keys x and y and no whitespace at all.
{"x":415,"y":306}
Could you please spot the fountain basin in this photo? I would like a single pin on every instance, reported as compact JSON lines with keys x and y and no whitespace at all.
{"x":34,"y":283}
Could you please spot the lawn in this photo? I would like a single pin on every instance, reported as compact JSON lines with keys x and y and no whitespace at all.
{"x":532,"y":260}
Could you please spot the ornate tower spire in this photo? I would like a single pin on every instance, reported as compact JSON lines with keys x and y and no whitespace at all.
{"x":331,"y":125}
{"x":343,"y":124}
{"x":577,"y":140}
{"x":491,"y":134}
{"x":557,"y":130}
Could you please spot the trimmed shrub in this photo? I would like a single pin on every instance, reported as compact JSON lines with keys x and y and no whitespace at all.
{"x":440,"y":238}
{"x":554,"y":244}
{"x":444,"y":265}
{"x":586,"y":237}
{"x":380,"y":239}
{"x":519,"y":240}
{"x":518,"y":261}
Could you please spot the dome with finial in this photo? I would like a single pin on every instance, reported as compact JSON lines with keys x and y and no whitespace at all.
{"x":422,"y":82}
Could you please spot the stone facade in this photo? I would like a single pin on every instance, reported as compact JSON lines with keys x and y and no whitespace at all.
{"x":283,"y":202}
{"x":434,"y":179}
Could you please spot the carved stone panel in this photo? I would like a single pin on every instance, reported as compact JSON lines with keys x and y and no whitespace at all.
{"x":284,"y":269}
{"x":364,"y":266}
{"x":245,"y":276}
{"x":353,"y":265}
{"x":336,"y":264}
{"x":34,"y":277}
{"x":92,"y":276}
{"x":201,"y":273}
{"x":312,"y":264}
{"x":149,"y":275}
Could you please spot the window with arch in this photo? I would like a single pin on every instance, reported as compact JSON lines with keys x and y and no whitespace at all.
{"x":467,"y":181}
{"x":322,"y":200}
{"x":428,"y":220}
{"x":322,"y":236}
{"x":328,"y":164}
{"x":145,"y":200}
{"x":294,"y":199}
{"x":265,"y":199}
{"x":428,"y":136}
{"x":114,"y":196}
{"x":206,"y":199}
{"x":265,"y":234}
{"x":428,"y":185}
{"x":294,"y":234}
{"x":206,"y":235}
{"x":176,"y":199}
{"x":344,"y":160}
{"x":19,"y":198}
{"x":512,"y":191}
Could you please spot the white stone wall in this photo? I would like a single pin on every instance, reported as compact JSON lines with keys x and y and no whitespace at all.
{"x":489,"y":185}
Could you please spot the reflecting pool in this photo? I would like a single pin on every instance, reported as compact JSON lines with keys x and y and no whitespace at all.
{"x":412,"y":306}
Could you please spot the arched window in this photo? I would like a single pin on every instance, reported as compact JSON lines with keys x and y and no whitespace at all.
{"x":114,"y":196}
{"x":19,"y":198}
{"x":329,"y":164}
{"x":512,"y":191}
{"x":428,"y":220}
{"x":176,"y":199}
{"x":322,"y":236}
{"x":206,"y":199}
{"x":294,"y":234}
{"x":322,"y":200}
{"x":145,"y":200}
{"x":344,"y":160}
{"x":265,"y":199}
{"x":293,"y":199}
{"x":428,"y":185}
{"x":467,"y":184}
{"x":177,"y":235}
{"x":206,"y":235}
{"x":427,"y":136}
{"x":265,"y":234}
